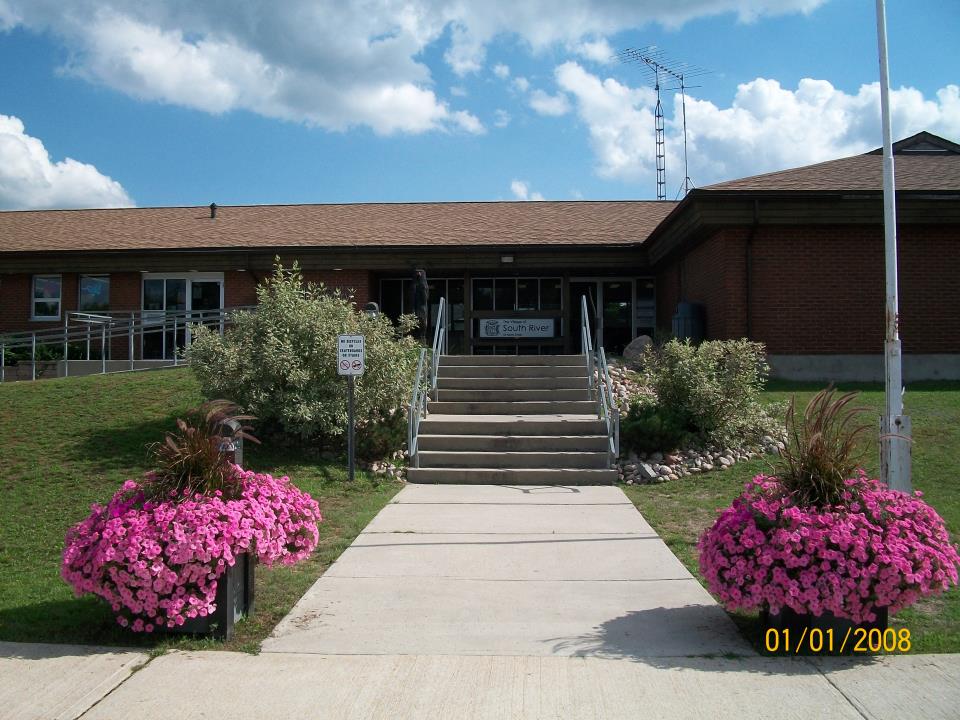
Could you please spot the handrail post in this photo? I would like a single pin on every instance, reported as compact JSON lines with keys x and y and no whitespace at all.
{"x":130,"y":341}
{"x":33,"y":355}
{"x":66,"y":348}
{"x":103,"y":348}
{"x":174,"y":339}
{"x":3,"y":362}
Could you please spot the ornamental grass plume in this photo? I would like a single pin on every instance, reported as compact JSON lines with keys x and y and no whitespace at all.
{"x":191,"y":459}
{"x":823,"y":449}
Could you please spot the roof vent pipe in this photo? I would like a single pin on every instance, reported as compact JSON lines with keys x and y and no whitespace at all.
{"x":213,"y":211}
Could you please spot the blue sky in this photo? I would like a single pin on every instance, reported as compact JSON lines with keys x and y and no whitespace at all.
{"x":242,"y":102}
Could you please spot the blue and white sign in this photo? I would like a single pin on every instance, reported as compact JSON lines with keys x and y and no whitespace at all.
{"x":516,"y":328}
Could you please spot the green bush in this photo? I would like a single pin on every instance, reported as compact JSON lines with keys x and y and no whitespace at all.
{"x":279,"y":362}
{"x":712,"y":388}
{"x":649,"y":428}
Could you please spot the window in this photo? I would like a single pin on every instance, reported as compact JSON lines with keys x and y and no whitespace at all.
{"x":94,"y":293}
{"x":46,"y":297}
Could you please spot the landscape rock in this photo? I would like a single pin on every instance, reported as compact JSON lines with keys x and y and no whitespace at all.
{"x":634,"y":351}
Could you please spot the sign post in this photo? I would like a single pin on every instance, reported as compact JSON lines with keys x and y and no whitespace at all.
{"x":351,"y":361}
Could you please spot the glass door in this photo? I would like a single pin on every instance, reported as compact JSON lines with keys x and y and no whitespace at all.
{"x":579,"y":288}
{"x":170,"y":304}
{"x":610,"y":309}
{"x":617,"y":312}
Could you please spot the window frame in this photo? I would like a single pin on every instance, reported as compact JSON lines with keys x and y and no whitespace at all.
{"x":34,"y":299}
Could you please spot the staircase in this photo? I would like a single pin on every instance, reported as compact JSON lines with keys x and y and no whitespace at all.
{"x":512,"y":419}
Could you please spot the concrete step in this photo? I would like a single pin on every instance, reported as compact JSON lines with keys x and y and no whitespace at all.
{"x":541,"y":460}
{"x":512,"y":424}
{"x":512,"y":360}
{"x":539,"y":407}
{"x":516,"y":383}
{"x":514,"y":443}
{"x":511,"y":395}
{"x":512,"y":371}
{"x":511,"y":476}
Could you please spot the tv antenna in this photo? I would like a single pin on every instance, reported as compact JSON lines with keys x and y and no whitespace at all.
{"x":659,"y":69}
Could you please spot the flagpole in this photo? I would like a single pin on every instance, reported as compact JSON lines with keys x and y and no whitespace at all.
{"x":894,"y":426}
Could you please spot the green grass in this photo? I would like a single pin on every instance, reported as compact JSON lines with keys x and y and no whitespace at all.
{"x":65,"y":444}
{"x":680,"y":511}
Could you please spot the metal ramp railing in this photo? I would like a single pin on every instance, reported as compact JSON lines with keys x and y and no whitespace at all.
{"x":81,"y":334}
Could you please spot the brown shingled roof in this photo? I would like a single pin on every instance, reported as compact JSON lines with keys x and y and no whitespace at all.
{"x":915,"y":170}
{"x":460,"y":224}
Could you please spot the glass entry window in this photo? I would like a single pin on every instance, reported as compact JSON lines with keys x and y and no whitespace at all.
{"x":396,"y":299}
{"x":615,"y":317}
{"x":170,"y":304}
{"x":498,"y":300}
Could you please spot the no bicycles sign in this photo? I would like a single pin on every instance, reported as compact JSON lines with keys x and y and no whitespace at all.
{"x":351,"y":355}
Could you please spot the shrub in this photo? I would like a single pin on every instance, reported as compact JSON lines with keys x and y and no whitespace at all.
{"x":878,"y":548}
{"x":648,"y":428}
{"x":279,"y":362}
{"x":158,"y":563}
{"x":822,"y":449}
{"x":713,"y":388}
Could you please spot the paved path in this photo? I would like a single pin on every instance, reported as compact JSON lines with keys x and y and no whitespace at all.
{"x":492,"y":602}
{"x":496,"y":570}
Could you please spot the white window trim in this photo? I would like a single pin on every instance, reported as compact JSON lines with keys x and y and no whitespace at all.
{"x":34,"y":300}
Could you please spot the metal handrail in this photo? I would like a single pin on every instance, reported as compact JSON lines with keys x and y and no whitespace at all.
{"x":598,"y":373}
{"x":423,"y":386}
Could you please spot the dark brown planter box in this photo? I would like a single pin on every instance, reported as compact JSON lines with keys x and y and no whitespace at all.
{"x":234,"y":601}
{"x":801,"y":625}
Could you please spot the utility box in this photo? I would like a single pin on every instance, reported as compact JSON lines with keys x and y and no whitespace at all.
{"x":689,"y":323}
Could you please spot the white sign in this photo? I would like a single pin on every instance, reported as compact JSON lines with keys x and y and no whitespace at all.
{"x":351,"y":355}
{"x":516,"y":328}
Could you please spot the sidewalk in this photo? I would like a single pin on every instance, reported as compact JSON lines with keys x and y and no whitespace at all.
{"x":503,"y":602}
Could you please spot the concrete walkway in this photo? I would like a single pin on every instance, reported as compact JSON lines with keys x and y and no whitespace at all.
{"x":497,"y":602}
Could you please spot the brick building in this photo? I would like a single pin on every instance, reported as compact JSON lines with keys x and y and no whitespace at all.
{"x":793,"y":259}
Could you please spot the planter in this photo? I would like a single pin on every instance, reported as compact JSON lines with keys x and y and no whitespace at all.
{"x":234,"y":601}
{"x":825,"y":634}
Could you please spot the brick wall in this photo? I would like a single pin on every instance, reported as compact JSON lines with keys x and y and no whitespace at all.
{"x":820,"y":289}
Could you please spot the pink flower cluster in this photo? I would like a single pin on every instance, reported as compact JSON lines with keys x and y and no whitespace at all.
{"x":880,"y":548}
{"x":158,"y":563}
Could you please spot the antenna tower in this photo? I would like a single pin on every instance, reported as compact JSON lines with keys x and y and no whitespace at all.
{"x":657,"y":64}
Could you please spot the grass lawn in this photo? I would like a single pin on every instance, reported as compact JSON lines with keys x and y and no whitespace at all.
{"x":65,"y":444}
{"x":680,"y":511}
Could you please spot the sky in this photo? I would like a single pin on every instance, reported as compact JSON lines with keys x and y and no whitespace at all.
{"x":109,"y":103}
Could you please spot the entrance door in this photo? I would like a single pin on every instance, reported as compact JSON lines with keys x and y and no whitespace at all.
{"x":610,"y":310}
{"x":579,"y":289}
{"x":170,"y":304}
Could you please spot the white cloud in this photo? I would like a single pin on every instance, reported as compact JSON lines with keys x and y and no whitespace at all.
{"x":521,"y":191}
{"x":766,"y":127}
{"x":501,"y":71}
{"x":521,"y":84}
{"x":501,"y":118}
{"x":468,"y":122}
{"x":458,"y":91}
{"x":328,"y":63}
{"x":545,"y":104}
{"x":598,"y":51}
{"x":29,"y":179}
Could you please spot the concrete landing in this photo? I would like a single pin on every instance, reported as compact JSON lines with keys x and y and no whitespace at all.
{"x":499,"y":570}
{"x":59,"y":681}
